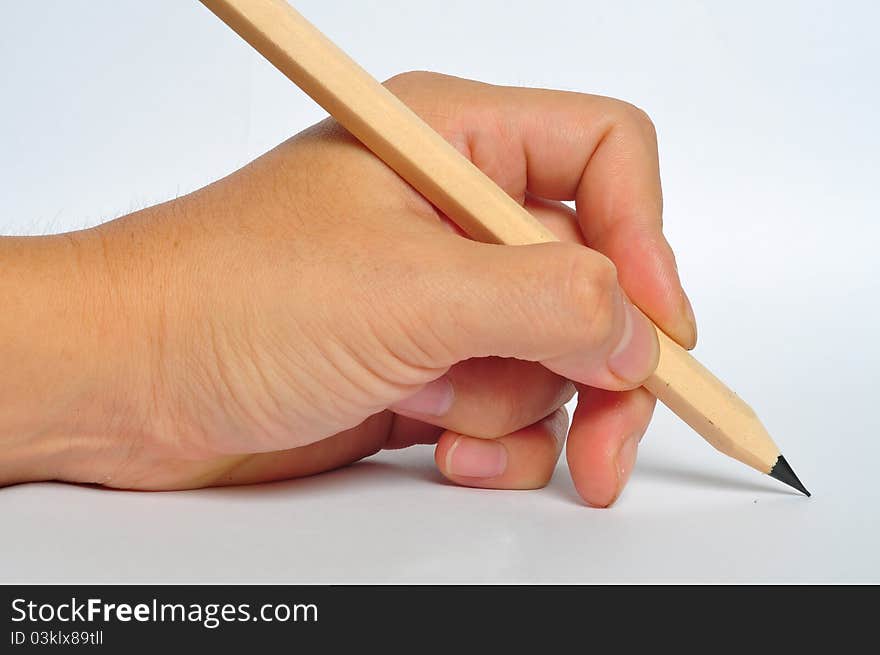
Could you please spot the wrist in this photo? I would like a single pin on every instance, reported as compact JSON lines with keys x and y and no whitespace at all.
{"x":68,"y":408}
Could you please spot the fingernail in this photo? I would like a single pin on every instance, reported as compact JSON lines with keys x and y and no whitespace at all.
{"x":433,"y":399}
{"x":691,"y":319}
{"x":625,"y":461}
{"x":635,"y":356}
{"x":476,"y":458}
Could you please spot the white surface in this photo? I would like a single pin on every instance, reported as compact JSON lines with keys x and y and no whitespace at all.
{"x":767,"y":120}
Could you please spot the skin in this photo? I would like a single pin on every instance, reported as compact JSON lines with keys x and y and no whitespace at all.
{"x":312,"y":309}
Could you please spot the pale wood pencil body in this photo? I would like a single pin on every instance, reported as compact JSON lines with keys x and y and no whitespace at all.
{"x":710,"y":407}
{"x":457,"y":187}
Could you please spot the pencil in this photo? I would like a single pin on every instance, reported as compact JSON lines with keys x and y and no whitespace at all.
{"x":483,"y":210}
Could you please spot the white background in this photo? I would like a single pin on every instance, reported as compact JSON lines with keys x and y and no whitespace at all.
{"x":768,"y":121}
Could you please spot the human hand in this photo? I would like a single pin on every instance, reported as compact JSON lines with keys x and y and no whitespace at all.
{"x":311,"y":309}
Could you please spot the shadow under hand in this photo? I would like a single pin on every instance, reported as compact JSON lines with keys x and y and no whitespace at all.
{"x":342,"y":480}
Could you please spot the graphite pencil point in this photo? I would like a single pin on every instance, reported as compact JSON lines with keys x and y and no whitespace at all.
{"x":782,"y":472}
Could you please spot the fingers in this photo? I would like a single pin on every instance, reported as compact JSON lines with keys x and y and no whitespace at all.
{"x":556,"y":303}
{"x":488,"y":397}
{"x":524,"y":459}
{"x":598,"y":151}
{"x":620,"y":207}
{"x":491,"y":397}
{"x":603,"y":441}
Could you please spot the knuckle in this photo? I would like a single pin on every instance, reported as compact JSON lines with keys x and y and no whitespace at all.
{"x":508,"y":416}
{"x":433,"y":97}
{"x":628,"y":117}
{"x":589,"y":291}
{"x":409,"y":82}
{"x":641,"y":120}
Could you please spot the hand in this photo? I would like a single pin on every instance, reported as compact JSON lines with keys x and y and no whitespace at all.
{"x":311,"y":309}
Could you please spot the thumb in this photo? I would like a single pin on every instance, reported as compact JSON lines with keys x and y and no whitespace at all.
{"x":556,"y":303}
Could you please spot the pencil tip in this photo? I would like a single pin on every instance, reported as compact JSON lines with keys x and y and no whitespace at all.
{"x":782,"y":472}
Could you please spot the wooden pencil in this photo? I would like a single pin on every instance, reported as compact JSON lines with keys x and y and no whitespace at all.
{"x":482,"y":209}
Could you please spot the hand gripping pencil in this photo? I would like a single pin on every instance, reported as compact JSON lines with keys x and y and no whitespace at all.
{"x":458,"y":188}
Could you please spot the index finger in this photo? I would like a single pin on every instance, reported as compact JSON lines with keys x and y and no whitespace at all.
{"x":598,"y":151}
